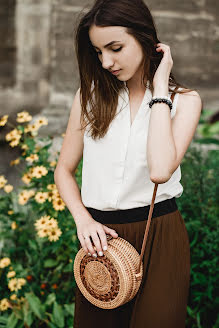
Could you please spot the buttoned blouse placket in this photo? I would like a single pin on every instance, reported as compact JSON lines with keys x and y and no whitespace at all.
{"x":128,"y":139}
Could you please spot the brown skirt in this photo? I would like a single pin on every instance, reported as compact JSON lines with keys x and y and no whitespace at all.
{"x":162,"y":298}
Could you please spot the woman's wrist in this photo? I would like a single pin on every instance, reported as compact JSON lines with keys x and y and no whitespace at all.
{"x":160,"y":91}
{"x":80,"y":213}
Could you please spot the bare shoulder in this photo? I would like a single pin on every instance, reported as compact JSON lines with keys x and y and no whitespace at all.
{"x":185,"y":122}
{"x":72,"y":147}
{"x":189,"y":99}
{"x":76,"y":106}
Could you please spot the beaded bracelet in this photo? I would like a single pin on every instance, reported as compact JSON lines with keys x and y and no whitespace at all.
{"x":165,"y":100}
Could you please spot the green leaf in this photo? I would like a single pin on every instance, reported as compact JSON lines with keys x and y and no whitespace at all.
{"x":3,"y":320}
{"x":32,"y":244}
{"x":68,"y":268}
{"x":70,"y":308}
{"x":12,"y":321}
{"x":50,"y":263}
{"x":58,"y":315}
{"x":35,"y":305}
{"x":51,"y":325}
{"x":28,"y":317}
{"x":50,"y":299}
{"x":19,"y":313}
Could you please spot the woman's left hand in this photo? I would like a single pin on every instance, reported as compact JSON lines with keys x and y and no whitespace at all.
{"x":161,"y":77}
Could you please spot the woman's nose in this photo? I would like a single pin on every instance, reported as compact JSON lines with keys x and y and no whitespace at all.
{"x":107,"y":62}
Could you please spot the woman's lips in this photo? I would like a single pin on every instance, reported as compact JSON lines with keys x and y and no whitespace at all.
{"x":116,"y":72}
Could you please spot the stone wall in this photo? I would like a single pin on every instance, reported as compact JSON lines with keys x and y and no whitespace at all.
{"x":7,"y":45}
{"x":38,"y":64}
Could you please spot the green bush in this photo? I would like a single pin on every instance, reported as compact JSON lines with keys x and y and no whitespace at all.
{"x":199,"y":208}
{"x":38,"y":238}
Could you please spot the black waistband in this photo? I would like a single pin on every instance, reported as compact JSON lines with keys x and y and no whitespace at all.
{"x":133,"y":214}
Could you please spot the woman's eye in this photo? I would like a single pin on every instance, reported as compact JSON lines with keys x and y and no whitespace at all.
{"x":114,"y":50}
{"x":117,"y":49}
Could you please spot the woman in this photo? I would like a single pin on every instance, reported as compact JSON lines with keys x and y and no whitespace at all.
{"x":128,"y":147}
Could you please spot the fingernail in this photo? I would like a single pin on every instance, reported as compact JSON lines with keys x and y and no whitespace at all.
{"x":94,"y":255}
{"x":100,"y":253}
{"x":104,"y":248}
{"x":89,"y":254}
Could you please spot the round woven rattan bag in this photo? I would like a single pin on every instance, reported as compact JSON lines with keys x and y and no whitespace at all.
{"x":110,"y":280}
{"x":113,"y":279}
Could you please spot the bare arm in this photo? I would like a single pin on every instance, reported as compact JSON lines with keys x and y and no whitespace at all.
{"x":64,"y":176}
{"x":169,"y":138}
{"x":70,"y":156}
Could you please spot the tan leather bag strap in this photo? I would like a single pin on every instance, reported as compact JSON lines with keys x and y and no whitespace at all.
{"x":147,"y":227}
{"x":149,"y":219}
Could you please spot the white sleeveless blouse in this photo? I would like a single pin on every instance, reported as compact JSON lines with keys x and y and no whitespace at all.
{"x":115,"y":171}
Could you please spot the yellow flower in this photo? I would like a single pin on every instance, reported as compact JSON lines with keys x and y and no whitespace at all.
{"x":42,"y":121}
{"x":54,"y":234}
{"x":16,"y":283}
{"x":3,"y":181}
{"x":53,"y":163}
{"x":10,"y":212}
{"x":47,"y":226}
{"x":41,"y":197}
{"x":13,"y":135}
{"x":4,"y":304}
{"x":24,"y":196}
{"x":42,"y":222}
{"x":26,"y":178}
{"x":11,"y":274}
{"x":14,"y":225}
{"x":31,"y":192}
{"x":51,"y":186}
{"x":56,"y":195}
{"x":8,"y":188}
{"x":23,"y":117}
{"x":32,"y":128}
{"x":13,"y":284}
{"x":13,"y":297}
{"x":15,"y":141}
{"x":32,"y":158}
{"x":24,"y":146}
{"x":15,"y":162}
{"x":52,"y":223}
{"x":39,"y":171}
{"x":21,"y":282}
{"x":58,"y":204}
{"x":3,"y":120}
{"x":50,"y":196}
{"x":43,"y":232}
{"x":5,"y":262}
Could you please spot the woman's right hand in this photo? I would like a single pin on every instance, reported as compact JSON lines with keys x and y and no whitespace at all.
{"x":96,"y":232}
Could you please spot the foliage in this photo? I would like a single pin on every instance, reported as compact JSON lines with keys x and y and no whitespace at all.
{"x":208,"y":132}
{"x":38,"y":239}
{"x":199,"y":207}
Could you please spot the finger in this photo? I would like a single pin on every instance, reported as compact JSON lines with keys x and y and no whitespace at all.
{"x":90,"y":246}
{"x":83,"y":245}
{"x":103,"y":239}
{"x":110,"y":231}
{"x":96,"y":241}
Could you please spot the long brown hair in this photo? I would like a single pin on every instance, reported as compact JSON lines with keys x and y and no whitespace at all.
{"x":98,"y":87}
